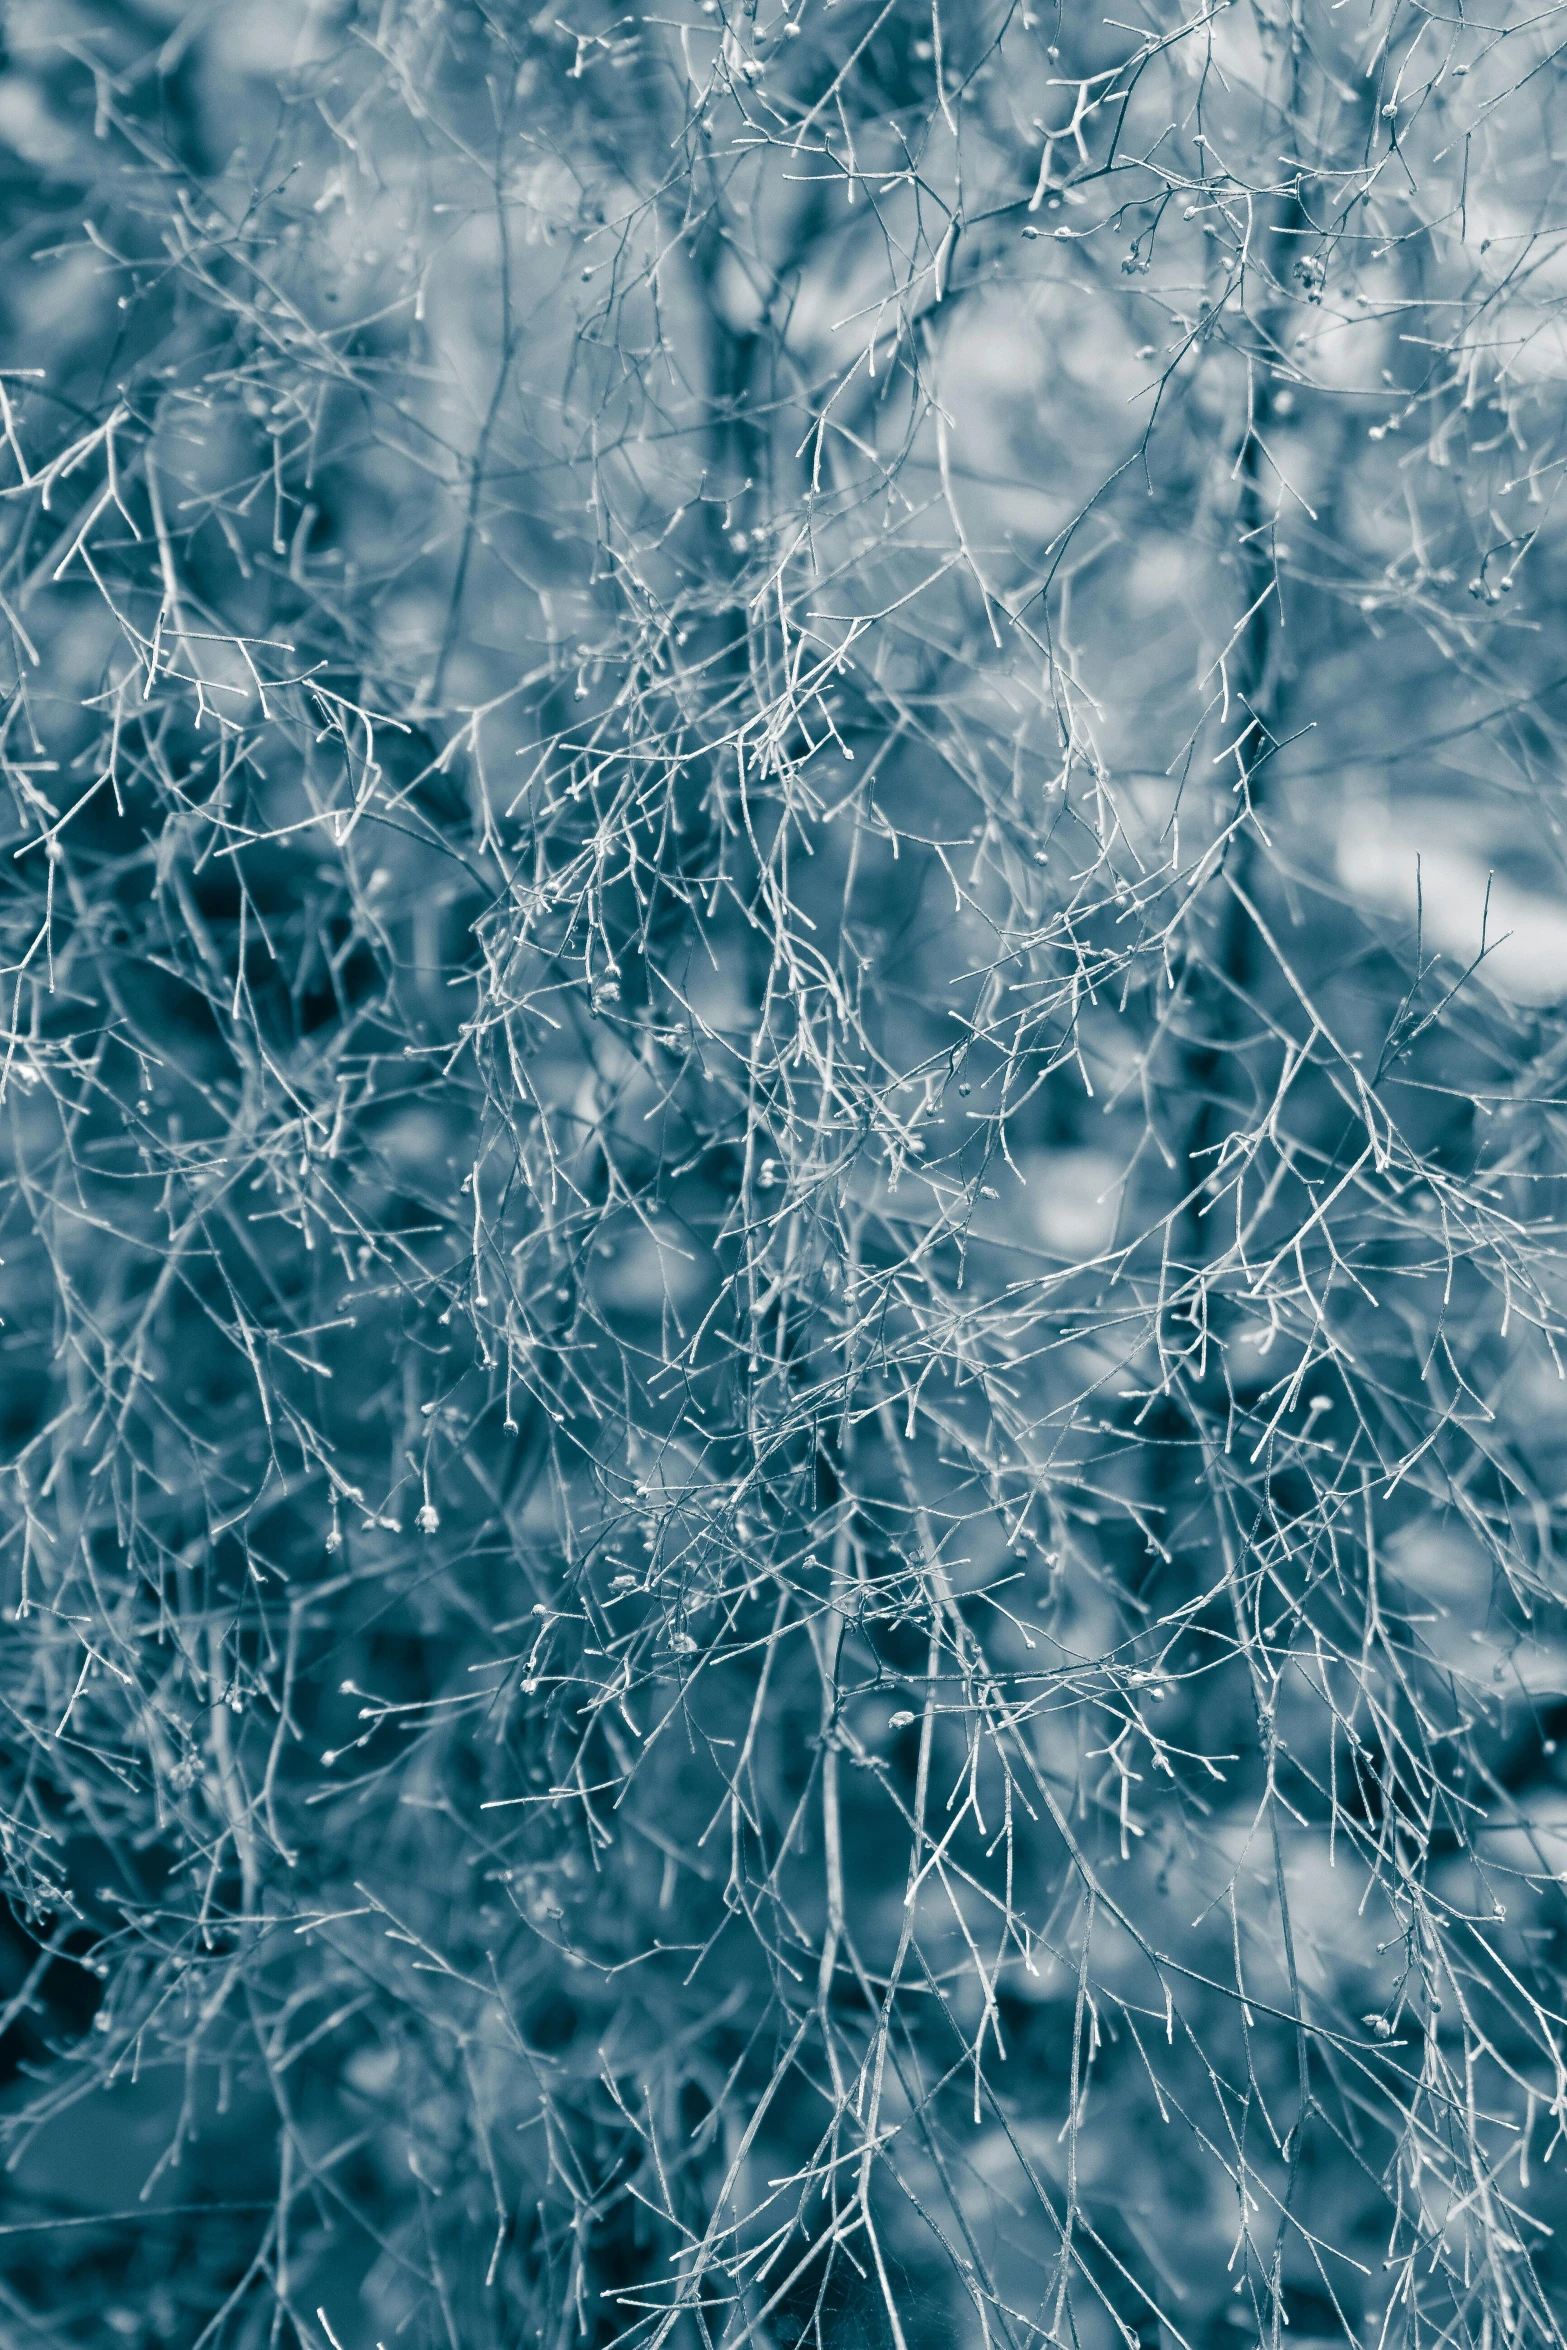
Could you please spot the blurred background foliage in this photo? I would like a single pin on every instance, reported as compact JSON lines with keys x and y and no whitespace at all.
{"x":782,"y":1388}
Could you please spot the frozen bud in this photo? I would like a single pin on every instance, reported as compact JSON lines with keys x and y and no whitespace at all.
{"x":429,"y":1518}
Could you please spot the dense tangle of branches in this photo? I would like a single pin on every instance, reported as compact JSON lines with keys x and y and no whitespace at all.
{"x":782,"y":1308}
